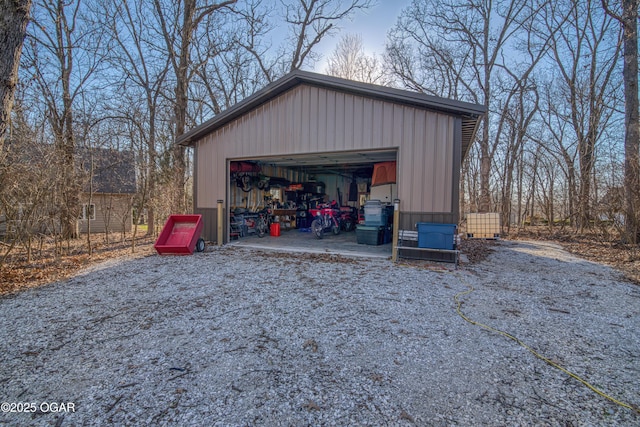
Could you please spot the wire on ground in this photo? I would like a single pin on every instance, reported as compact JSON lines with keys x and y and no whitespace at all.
{"x":532,"y":351}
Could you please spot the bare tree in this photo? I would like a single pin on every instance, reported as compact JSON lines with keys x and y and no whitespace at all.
{"x":13,"y":27}
{"x":629,"y":21}
{"x":585,"y":59}
{"x":63,"y":54}
{"x":546,"y":177}
{"x":456,"y":49}
{"x":254,"y":29}
{"x":235,"y":58}
{"x":518,"y":108}
{"x":350,"y":61}
{"x":143,"y":67}
{"x":519,"y":111}
{"x":556,"y":142}
{"x":311,"y":20}
{"x":28,"y":194}
{"x":179,"y":23}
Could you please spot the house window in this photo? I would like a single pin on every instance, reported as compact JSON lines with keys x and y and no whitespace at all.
{"x":88,"y":211}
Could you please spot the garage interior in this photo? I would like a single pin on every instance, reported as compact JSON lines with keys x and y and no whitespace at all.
{"x":296,"y":187}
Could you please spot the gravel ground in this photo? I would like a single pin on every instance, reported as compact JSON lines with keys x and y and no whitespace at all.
{"x":236,"y":337}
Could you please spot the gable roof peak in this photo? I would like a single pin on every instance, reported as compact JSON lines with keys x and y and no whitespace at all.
{"x":468,"y":111}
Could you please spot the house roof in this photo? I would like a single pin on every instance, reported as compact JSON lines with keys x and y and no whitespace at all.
{"x":470,"y":113}
{"x":113,"y":170}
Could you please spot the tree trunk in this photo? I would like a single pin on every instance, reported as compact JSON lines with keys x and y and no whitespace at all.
{"x":586,"y":170}
{"x":151,"y":169}
{"x":520,"y":187}
{"x":485,"y":168}
{"x":70,"y":189}
{"x":571,"y":186}
{"x":13,"y":28}
{"x":180,"y":107}
{"x":632,"y":124}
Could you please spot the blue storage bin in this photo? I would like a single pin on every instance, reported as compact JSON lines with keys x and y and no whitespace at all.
{"x":436,"y":236}
{"x":375,"y":220}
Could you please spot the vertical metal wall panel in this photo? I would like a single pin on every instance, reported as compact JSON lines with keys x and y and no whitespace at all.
{"x":418,"y":164}
{"x":296,"y":124}
{"x":329,"y":133}
{"x":377,"y":124}
{"x":207,"y":163}
{"x":433,"y":178}
{"x":455,"y":169}
{"x":424,"y":159}
{"x":346,"y":120}
{"x":325,"y":128}
{"x":403,"y":170}
{"x":265,"y":127}
{"x":210,"y":223}
{"x":352,"y":111}
{"x":276,"y":117}
{"x":338,"y":138}
{"x":447,"y":160}
{"x":249,"y":132}
{"x":317,"y":119}
{"x":305,"y":113}
{"x":309,"y":119}
{"x":363,"y":131}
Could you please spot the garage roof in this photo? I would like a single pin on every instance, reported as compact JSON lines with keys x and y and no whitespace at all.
{"x":470,"y":113}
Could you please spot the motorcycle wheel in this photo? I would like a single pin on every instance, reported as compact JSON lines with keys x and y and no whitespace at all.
{"x":335,"y":229}
{"x":348,"y":225}
{"x":261,"y":228}
{"x":316,"y":227}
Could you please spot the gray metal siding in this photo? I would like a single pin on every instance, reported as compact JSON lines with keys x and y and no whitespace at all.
{"x":408,"y":220}
{"x":210,"y":223}
{"x":308,"y":119}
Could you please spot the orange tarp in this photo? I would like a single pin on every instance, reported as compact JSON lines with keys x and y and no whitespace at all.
{"x":384,"y":173}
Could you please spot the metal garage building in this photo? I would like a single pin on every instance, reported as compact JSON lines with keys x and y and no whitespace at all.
{"x":309,"y":126}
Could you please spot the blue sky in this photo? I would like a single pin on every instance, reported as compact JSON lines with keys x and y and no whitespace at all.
{"x":376,"y":22}
{"x":372,"y":24}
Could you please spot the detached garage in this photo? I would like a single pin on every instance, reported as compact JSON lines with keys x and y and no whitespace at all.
{"x":309,"y":138}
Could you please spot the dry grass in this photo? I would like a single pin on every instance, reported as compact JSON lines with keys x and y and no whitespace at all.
{"x":46,"y":265}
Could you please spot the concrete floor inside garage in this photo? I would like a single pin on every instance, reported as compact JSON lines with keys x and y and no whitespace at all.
{"x":294,"y":240}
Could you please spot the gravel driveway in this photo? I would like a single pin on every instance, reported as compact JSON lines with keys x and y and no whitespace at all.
{"x":240,"y":337}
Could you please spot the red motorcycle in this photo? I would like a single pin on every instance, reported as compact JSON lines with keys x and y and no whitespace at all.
{"x":348,"y":218}
{"x":327,"y":217}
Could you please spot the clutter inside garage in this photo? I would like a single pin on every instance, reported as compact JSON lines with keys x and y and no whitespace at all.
{"x":269,"y":199}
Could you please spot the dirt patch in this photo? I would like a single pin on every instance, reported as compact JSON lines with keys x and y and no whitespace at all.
{"x":477,"y":250}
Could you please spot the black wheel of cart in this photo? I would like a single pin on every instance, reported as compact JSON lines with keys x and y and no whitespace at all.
{"x":200,"y":245}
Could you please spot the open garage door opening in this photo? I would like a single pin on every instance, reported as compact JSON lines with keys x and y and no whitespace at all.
{"x":314,"y":200}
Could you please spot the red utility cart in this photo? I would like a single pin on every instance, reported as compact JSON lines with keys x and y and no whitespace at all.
{"x":181,"y":235}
